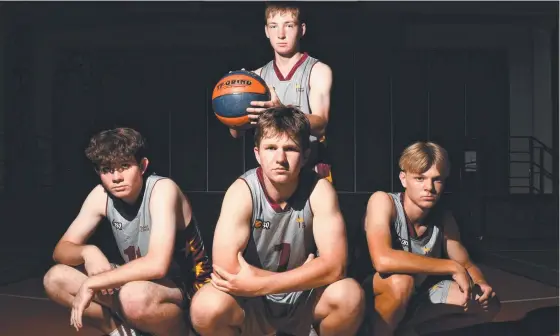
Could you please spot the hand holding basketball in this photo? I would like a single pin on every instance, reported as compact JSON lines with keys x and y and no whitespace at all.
{"x":260,"y":106}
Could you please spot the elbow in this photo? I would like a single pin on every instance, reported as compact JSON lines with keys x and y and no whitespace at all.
{"x":336,"y":273}
{"x":158,"y":269}
{"x":159,"y":272}
{"x":382,"y":264}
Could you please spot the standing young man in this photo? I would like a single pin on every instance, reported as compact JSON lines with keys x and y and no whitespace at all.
{"x":422,"y":269}
{"x":274,"y":219}
{"x":157,"y":236}
{"x":295,"y":78}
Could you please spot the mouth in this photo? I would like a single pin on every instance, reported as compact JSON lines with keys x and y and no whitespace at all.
{"x":428,"y":198}
{"x":119,"y":188}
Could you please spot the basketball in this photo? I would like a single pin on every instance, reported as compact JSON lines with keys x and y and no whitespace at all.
{"x":234,"y":93}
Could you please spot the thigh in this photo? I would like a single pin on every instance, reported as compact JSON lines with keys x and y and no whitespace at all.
{"x":69,"y":279}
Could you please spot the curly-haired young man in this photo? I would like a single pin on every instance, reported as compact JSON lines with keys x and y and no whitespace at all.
{"x":158,"y":238}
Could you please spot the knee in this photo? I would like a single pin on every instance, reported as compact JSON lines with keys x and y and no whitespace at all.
{"x":346,"y":296}
{"x":401,"y":287}
{"x":209,"y":308}
{"x":55,"y":279}
{"x":137,"y":300}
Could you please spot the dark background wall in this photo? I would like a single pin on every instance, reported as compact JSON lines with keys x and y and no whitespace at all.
{"x":70,"y":70}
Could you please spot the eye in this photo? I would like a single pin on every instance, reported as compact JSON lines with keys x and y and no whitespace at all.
{"x":419,"y":179}
{"x":125,"y":165}
{"x":105,"y":170}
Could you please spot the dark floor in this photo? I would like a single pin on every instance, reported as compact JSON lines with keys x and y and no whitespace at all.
{"x":528,"y":308}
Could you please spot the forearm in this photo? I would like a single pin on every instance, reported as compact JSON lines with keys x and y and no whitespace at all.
{"x":71,"y":254}
{"x":405,"y":262}
{"x":318,"y":125}
{"x":476,"y":274}
{"x":314,"y":274}
{"x":141,"y":269}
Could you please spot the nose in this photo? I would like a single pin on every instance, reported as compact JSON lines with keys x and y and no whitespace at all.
{"x":428,"y":185}
{"x":117,"y":176}
{"x":280,"y":156}
{"x":281,"y":33}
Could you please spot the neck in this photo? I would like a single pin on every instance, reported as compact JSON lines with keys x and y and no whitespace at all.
{"x":414,"y":213}
{"x":287,"y":60}
{"x":279,"y":192}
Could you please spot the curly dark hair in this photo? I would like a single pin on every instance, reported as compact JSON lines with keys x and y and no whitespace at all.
{"x":116,"y":145}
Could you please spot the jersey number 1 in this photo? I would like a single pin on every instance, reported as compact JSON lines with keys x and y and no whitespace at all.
{"x":132,"y":252}
{"x":284,"y":249}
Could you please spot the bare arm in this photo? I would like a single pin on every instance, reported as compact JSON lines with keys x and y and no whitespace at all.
{"x":164,"y":208}
{"x":329,"y":232}
{"x":233,"y":228}
{"x":320,"y":98}
{"x":385,"y":259}
{"x":71,"y":248}
{"x":457,"y":252}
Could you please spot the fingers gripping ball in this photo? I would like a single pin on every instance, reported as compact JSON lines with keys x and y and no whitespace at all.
{"x":234,"y":93}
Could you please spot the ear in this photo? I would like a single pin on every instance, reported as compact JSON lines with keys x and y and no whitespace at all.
{"x":402,"y":177}
{"x":144,"y":163}
{"x":256,"y":150}
{"x":266,"y":31}
{"x":303,"y":30}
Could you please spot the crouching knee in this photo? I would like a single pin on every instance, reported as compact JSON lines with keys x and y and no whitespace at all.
{"x":212,"y":310}
{"x":345,"y":296}
{"x":56,"y":280}
{"x":137,"y":301}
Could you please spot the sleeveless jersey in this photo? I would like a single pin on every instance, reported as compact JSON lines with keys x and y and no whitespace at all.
{"x":430,"y":244}
{"x":132,"y":226}
{"x":293,"y":90}
{"x":281,"y":239}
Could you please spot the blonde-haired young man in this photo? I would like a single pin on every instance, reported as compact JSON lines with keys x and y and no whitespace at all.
{"x":423,"y":273}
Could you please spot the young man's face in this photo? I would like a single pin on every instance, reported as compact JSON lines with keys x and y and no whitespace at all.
{"x":123,"y":179}
{"x":280,"y":158}
{"x":283,"y":30}
{"x":424,"y":189}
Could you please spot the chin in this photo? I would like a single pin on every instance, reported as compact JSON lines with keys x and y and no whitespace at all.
{"x":427,"y":204}
{"x":120,"y":194}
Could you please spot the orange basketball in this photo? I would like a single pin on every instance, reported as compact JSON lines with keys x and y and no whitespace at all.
{"x":234,"y":93}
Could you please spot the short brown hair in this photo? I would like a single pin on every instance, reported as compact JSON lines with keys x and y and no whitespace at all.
{"x":421,"y":156}
{"x":116,"y":145}
{"x":274,"y":7}
{"x":284,"y":120}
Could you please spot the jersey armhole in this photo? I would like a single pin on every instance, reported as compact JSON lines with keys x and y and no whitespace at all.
{"x":252,"y":199}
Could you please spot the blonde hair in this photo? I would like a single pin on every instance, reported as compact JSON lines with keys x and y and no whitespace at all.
{"x":421,"y":156}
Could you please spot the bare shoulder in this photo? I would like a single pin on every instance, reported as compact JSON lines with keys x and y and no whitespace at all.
{"x":323,"y":194}
{"x":321,"y":71}
{"x":166,"y":188}
{"x":380,"y":199}
{"x":96,"y":201}
{"x":237,"y":195}
{"x":321,"y":67}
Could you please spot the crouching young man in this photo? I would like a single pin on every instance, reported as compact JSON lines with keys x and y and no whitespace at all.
{"x":425,"y":281}
{"x":279,"y":248}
